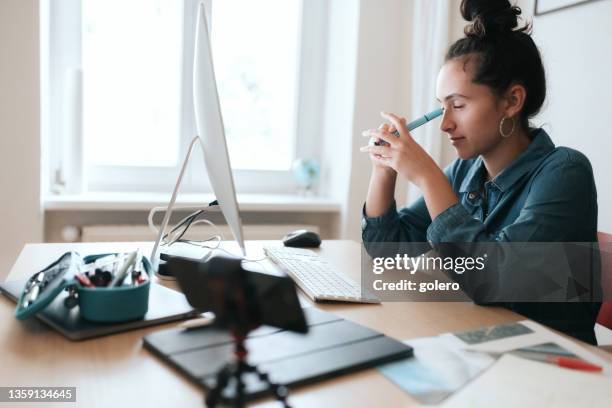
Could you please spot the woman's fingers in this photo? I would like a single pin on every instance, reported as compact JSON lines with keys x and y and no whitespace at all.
{"x":380,"y":160}
{"x":384,"y":126}
{"x":381,"y":134}
{"x":370,"y":132}
{"x":399,"y":124}
{"x":377,"y":150}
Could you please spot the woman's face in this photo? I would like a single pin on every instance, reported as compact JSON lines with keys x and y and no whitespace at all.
{"x":472,"y":112}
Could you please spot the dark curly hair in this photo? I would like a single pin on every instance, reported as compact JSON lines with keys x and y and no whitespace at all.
{"x":501,"y":53}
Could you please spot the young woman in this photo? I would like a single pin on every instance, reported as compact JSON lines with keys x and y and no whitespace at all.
{"x":510,"y":183}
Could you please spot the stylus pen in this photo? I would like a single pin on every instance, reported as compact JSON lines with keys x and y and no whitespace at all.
{"x":415,"y":124}
{"x":422,"y":120}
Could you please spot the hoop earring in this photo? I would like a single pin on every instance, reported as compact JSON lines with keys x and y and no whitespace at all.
{"x":501,"y":127}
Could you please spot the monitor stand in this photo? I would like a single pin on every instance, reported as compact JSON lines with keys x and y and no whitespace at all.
{"x":162,"y":229}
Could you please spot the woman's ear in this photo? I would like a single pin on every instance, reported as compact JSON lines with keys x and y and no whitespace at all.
{"x":515,"y":99}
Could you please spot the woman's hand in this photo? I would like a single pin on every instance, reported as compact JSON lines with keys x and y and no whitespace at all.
{"x":411,"y":161}
{"x":403,"y":155}
{"x":378,"y":166}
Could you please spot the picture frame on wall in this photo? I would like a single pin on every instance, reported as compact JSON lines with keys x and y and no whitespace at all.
{"x":548,"y":6}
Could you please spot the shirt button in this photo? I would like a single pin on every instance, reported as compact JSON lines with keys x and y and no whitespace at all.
{"x":471,"y":196}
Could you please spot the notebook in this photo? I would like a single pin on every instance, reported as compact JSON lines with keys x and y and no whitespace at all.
{"x":165,"y":305}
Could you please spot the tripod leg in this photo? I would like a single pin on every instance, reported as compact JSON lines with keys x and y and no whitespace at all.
{"x":239,"y":402}
{"x":281,"y":393}
{"x":212,"y":399}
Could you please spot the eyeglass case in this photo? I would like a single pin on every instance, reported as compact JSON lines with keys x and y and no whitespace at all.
{"x":98,"y":304}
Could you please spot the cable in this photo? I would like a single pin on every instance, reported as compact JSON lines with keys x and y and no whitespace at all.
{"x":155,"y":210}
{"x":189,"y":221}
{"x":184,"y":223}
{"x":218,"y":236}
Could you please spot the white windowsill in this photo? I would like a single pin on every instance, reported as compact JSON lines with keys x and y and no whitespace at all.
{"x":146,"y":201}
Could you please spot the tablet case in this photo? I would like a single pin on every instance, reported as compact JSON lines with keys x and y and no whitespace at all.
{"x":333,"y":346}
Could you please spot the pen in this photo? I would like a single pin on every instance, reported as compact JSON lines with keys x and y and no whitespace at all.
{"x":83,"y":280}
{"x":104,"y":261}
{"x":422,"y":120}
{"x":567,"y":362}
{"x":101,"y":263}
{"x":415,"y":124}
{"x":120,"y":275}
{"x":561,"y":361}
{"x":137,"y":269}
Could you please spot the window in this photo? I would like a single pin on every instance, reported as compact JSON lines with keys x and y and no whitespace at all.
{"x":131,"y":59}
{"x":257,"y":75}
{"x":120,"y":90}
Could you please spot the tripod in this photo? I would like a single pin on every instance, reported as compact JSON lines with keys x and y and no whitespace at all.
{"x":235,"y":371}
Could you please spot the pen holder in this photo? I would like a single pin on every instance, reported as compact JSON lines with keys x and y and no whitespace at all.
{"x":98,"y":304}
{"x":114,"y":304}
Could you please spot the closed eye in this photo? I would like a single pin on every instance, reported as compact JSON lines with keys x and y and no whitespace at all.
{"x":458,"y":107}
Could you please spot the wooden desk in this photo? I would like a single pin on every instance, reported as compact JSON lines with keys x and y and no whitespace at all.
{"x":117,"y":371}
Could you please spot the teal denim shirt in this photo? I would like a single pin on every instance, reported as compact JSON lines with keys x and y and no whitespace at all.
{"x":547,"y":194}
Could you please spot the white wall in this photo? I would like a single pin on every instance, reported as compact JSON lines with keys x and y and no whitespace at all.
{"x":577,"y":53}
{"x":368,"y":71}
{"x":337,"y":127}
{"x":457,"y":24}
{"x":19,"y":129}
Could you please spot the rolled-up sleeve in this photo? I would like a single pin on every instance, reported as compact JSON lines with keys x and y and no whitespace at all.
{"x":447,"y":226}
{"x":373,"y":225}
{"x":407,"y":225}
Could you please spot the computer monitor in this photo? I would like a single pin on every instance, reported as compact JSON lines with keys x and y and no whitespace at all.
{"x":211,"y":138}
{"x":209,"y":125}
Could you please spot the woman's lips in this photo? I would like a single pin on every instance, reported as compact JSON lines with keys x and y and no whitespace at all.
{"x":456,"y":139}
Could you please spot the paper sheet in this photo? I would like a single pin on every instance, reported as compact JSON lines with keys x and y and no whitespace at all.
{"x":539,"y":335}
{"x":443,"y":364}
{"x":506,"y":385}
{"x":439,"y":368}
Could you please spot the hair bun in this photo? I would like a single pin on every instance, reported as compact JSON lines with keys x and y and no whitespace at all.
{"x":489,"y":17}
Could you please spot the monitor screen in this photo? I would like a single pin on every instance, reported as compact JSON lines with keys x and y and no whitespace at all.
{"x":209,"y":125}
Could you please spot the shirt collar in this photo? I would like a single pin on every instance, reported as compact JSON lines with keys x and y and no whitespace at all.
{"x":474,"y":177}
{"x":540,"y":146}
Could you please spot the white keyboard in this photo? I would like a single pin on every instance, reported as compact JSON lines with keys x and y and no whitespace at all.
{"x":317,"y":277}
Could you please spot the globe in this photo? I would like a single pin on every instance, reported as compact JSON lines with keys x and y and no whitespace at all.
{"x":306,"y":172}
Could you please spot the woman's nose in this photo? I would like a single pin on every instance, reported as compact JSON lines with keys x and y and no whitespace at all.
{"x":447,"y":123}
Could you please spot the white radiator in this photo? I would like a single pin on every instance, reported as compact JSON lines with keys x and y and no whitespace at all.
{"x":126,"y":233}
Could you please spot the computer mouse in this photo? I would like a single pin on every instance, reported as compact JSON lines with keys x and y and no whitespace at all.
{"x":302,"y":239}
